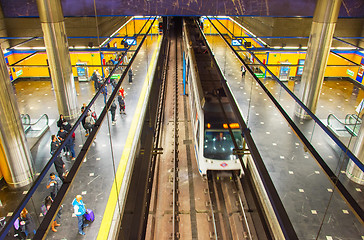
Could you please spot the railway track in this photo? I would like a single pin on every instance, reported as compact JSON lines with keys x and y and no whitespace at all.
{"x":229,"y":217}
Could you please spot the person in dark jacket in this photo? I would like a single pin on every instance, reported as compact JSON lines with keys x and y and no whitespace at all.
{"x":104,"y":92}
{"x":95,"y":78}
{"x":113,"y":111}
{"x":60,"y":121}
{"x":121,"y":103}
{"x":130,"y":73}
{"x":62,"y":136}
{"x":27,"y":224}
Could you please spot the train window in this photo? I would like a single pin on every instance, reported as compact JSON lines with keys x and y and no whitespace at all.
{"x":218,"y":144}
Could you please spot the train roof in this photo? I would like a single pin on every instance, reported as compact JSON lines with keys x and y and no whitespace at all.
{"x":210,"y":79}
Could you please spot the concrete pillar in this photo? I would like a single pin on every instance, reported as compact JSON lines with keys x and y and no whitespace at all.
{"x":17,"y":167}
{"x":55,"y":39}
{"x":318,"y":49}
{"x":353,"y":172}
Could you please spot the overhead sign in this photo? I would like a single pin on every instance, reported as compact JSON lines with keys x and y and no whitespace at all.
{"x":349,"y":72}
{"x":236,"y":42}
{"x":131,"y":41}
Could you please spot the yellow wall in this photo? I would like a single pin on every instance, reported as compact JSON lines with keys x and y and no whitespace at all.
{"x":91,"y":58}
{"x":279,"y":57}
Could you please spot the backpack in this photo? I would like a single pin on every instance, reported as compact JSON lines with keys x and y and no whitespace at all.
{"x":93,"y":114}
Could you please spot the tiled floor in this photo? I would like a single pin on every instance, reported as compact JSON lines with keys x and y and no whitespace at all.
{"x":95,"y":177}
{"x":307,"y":194}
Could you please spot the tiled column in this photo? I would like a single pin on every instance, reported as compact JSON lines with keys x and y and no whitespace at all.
{"x":17,"y":168}
{"x":55,"y":39}
{"x":318,"y":49}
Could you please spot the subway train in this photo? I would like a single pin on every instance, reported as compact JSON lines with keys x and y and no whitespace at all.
{"x":211,"y":111}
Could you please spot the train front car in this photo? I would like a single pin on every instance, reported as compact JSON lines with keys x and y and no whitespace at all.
{"x":218,"y":145}
{"x":210,"y":109}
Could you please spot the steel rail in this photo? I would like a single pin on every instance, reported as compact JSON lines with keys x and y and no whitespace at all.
{"x":213,"y":202}
{"x":158,"y":130}
{"x":277,"y":205}
{"x":352,"y":203}
{"x":237,"y":188}
{"x":175,"y":162}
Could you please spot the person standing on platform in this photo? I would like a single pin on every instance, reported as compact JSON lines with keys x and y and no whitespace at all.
{"x":55,"y":184}
{"x":27,"y":224}
{"x":95,"y":78}
{"x":243,"y":71}
{"x":60,"y":120}
{"x":47,"y":204}
{"x":79,"y":210}
{"x":113,"y":111}
{"x":122,"y":92}
{"x":121,"y":103}
{"x":70,"y":144}
{"x":130,"y":73}
{"x":58,"y":163}
{"x":84,"y":119}
{"x":89,"y":123}
{"x":62,"y":136}
{"x":104,"y":92}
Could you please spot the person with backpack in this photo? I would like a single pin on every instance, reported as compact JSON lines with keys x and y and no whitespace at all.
{"x":89,"y":123}
{"x":79,"y":210}
{"x":113,"y":110}
{"x":27,"y":224}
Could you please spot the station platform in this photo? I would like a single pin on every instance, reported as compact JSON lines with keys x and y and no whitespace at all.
{"x":315,"y":208}
{"x":106,"y":158}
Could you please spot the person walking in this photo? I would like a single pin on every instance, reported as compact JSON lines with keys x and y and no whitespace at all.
{"x":79,"y":210}
{"x":243,"y":71}
{"x":130,"y":73}
{"x":113,"y":111}
{"x":54,"y":183}
{"x":121,"y":103}
{"x":27,"y":224}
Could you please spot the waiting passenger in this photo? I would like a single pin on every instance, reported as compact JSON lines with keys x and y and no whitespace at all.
{"x":79,"y":210}
{"x":113,"y":111}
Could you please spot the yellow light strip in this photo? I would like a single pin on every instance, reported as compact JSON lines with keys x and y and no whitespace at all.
{"x":113,"y":197}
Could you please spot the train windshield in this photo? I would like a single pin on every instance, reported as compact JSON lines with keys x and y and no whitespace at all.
{"x":218,"y":144}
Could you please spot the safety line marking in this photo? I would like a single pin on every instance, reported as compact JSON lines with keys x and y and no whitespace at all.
{"x":111,"y":203}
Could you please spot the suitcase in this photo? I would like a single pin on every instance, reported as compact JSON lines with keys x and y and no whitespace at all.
{"x":89,"y":215}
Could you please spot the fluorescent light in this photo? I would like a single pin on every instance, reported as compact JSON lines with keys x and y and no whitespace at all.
{"x":79,"y":47}
{"x":107,"y":39}
{"x":277,"y":47}
{"x":260,"y":40}
{"x":290,"y":47}
{"x":346,"y":48}
{"x":39,"y":48}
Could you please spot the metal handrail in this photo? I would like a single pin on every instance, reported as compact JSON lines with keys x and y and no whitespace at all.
{"x":25,"y":118}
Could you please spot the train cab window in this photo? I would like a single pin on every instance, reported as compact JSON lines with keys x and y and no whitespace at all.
{"x":218,"y":144}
